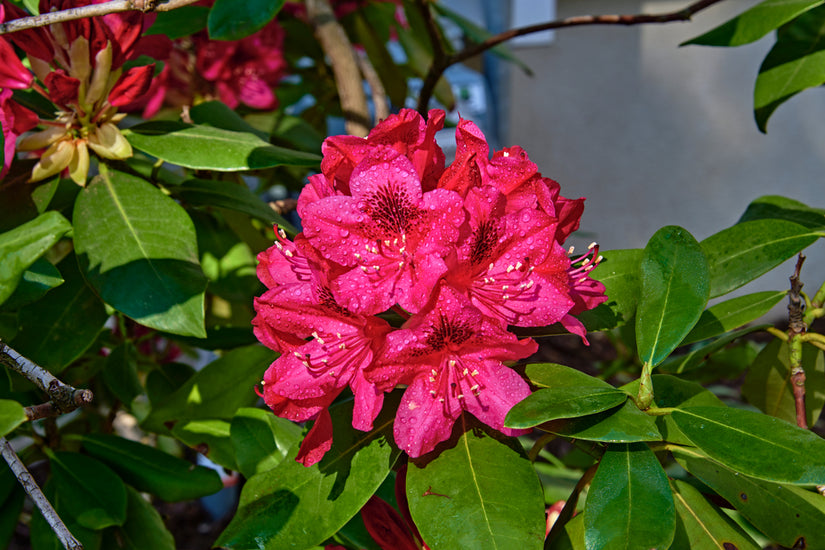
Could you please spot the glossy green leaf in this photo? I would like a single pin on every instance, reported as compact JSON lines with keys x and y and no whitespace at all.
{"x":179,"y":22}
{"x":261,"y":440}
{"x":208,"y":148}
{"x":629,"y":504}
{"x":741,"y":253}
{"x":94,"y":495}
{"x":11,"y":415}
{"x":151,"y":470}
{"x":701,"y":525}
{"x":219,"y":115}
{"x":21,"y":246}
{"x":232,"y":20}
{"x":138,"y":249}
{"x":481,"y":493}
{"x":789,"y":515}
{"x":755,"y":444}
{"x":37,"y":280}
{"x":624,"y":424}
{"x":698,"y":355}
{"x":619,"y":273}
{"x":55,"y":332}
{"x":550,"y":375}
{"x":572,"y":538}
{"x":796,"y":62}
{"x":143,"y":528}
{"x":210,"y":437}
{"x":295,"y":506}
{"x":216,"y":391}
{"x":12,"y":505}
{"x":120,"y":373}
{"x":783,"y":208}
{"x":674,"y":282}
{"x":165,"y":379}
{"x":768,"y":385}
{"x":732,"y":314}
{"x":42,"y":536}
{"x":226,"y":194}
{"x":754,"y":23}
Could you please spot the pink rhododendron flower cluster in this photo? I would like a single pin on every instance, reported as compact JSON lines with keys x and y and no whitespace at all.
{"x":461,"y":252}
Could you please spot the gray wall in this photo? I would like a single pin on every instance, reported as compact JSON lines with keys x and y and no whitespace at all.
{"x":653,"y":134}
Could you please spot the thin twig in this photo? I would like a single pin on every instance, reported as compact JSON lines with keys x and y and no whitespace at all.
{"x":796,"y":329}
{"x":441,"y":64}
{"x":92,"y":10}
{"x":64,"y":398}
{"x":30,"y":485}
{"x":379,"y":94}
{"x":342,"y":58}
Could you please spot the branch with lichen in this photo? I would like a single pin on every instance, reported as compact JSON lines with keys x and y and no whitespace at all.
{"x":442,"y":61}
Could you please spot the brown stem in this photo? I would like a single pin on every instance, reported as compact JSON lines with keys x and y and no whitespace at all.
{"x":441,"y":63}
{"x":796,"y":329}
{"x":92,"y":10}
{"x":379,"y":94}
{"x":344,"y":64}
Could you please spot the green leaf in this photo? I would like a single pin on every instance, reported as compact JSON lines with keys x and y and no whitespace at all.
{"x":619,"y":273}
{"x":732,"y":314}
{"x":741,"y":253}
{"x":674,"y":282}
{"x":570,"y":394}
{"x":37,"y":280}
{"x":698,"y":355}
{"x":783,"y":208}
{"x":754,"y":23}
{"x":55,"y":332}
{"x":624,"y":424}
{"x":11,"y":416}
{"x":795,"y":63}
{"x":629,"y":504}
{"x":210,"y":437}
{"x":755,"y":444}
{"x":179,"y":22}
{"x":42,"y":536}
{"x":94,"y":495}
{"x":120,"y":373}
{"x":481,"y":493}
{"x":295,"y":506}
{"x":226,"y":194}
{"x":21,"y":246}
{"x":219,"y":115}
{"x":143,"y":528}
{"x":789,"y":515}
{"x":572,"y":538}
{"x":208,"y":148}
{"x":768,"y":385}
{"x":700,"y":524}
{"x":165,"y":379}
{"x":138,"y":249}
{"x":232,"y":20}
{"x":216,"y":391}
{"x":12,"y":505}
{"x":261,"y":440}
{"x":151,"y":470}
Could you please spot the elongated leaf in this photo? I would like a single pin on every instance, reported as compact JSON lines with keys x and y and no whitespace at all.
{"x":629,"y":504}
{"x":57,"y":331}
{"x":11,"y":415}
{"x":674,"y":281}
{"x":795,"y":63}
{"x":551,"y":375}
{"x":143,"y":528}
{"x":37,"y":280}
{"x":482,"y":493}
{"x":138,"y":249}
{"x":755,"y":444}
{"x":703,"y":525}
{"x":151,"y":470}
{"x":733,"y":314}
{"x":21,"y":246}
{"x":619,"y":273}
{"x":120,"y":373}
{"x":180,"y":22}
{"x":261,"y":440}
{"x":783,"y":208}
{"x":768,"y":383}
{"x":216,"y":391}
{"x":219,"y":115}
{"x":572,"y":537}
{"x":789,"y":515}
{"x":624,"y":424}
{"x":741,"y":253}
{"x":231,"y":20}
{"x":94,"y":495}
{"x":210,"y":437}
{"x":694,"y":359}
{"x":208,"y":148}
{"x":754,"y":23}
{"x":229,"y":195}
{"x":295,"y":506}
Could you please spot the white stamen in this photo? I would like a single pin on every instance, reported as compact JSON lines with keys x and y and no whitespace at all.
{"x":288,"y":253}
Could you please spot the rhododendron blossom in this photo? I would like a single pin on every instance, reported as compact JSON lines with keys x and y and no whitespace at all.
{"x":461,"y":252}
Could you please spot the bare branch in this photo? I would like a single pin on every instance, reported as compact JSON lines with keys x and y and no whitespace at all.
{"x":30,"y":485}
{"x":92,"y":10}
{"x":797,"y":329}
{"x":440,"y":64}
{"x":64,"y":398}
{"x":379,"y":94}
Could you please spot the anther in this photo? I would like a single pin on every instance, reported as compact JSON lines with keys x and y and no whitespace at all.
{"x":288,"y":253}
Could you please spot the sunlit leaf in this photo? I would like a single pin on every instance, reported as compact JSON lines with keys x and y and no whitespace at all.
{"x":732,"y":314}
